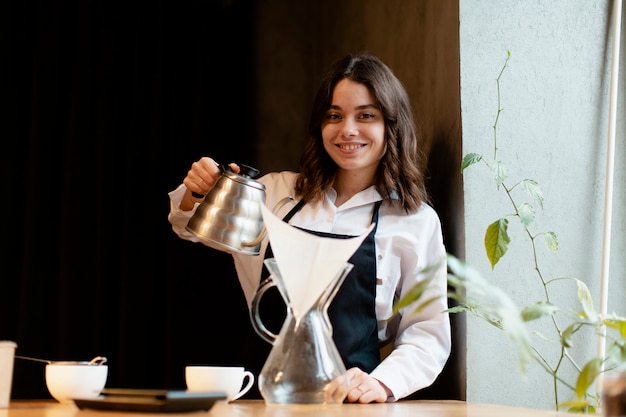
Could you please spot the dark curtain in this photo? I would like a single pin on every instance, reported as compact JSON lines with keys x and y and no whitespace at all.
{"x":106,"y":105}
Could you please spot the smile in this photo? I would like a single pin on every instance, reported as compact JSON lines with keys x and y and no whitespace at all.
{"x":350,"y":147}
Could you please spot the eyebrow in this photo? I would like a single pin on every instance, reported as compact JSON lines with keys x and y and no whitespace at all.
{"x":361,"y":107}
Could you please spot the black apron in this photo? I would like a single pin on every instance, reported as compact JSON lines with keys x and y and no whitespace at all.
{"x":352,"y":312}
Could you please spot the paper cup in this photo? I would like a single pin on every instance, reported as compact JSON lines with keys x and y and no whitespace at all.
{"x":7,"y":357}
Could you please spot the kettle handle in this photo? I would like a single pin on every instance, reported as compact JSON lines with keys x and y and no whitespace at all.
{"x":244,"y":170}
{"x":261,"y":235}
{"x":255,"y":316}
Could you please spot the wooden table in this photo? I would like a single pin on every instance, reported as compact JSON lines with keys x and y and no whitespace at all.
{"x":257,"y":408}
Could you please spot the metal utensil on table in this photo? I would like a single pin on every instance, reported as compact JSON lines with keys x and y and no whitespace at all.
{"x":98,"y":360}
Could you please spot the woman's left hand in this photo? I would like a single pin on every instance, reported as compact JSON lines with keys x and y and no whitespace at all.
{"x":363,"y":388}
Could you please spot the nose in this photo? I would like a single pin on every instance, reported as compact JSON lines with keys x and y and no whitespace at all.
{"x":349,"y":128}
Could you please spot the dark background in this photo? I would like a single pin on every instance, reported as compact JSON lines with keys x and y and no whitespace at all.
{"x":106,"y":105}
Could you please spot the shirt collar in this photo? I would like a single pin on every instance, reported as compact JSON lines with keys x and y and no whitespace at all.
{"x":367,"y":196}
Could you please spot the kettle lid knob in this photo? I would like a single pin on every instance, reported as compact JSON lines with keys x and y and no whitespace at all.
{"x":245,"y":170}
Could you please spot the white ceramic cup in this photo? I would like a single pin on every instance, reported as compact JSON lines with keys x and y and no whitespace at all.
{"x":235,"y":381}
{"x":67,"y":381}
{"x":7,"y":358}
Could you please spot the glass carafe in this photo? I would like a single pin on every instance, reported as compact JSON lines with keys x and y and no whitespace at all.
{"x":304,"y":365}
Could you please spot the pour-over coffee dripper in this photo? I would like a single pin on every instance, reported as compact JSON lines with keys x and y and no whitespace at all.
{"x":304,"y":365}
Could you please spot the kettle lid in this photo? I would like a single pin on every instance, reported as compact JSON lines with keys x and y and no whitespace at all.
{"x":245,"y":175}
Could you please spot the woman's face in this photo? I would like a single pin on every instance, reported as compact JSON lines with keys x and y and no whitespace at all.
{"x":353,"y":129}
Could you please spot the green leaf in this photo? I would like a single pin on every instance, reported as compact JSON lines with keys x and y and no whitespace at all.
{"x":526,"y":213}
{"x":413,"y":295}
{"x":499,"y":171}
{"x":617,"y":352}
{"x":470,"y":159}
{"x":617,"y":323}
{"x":532,"y":189}
{"x":493,"y":305}
{"x":584,"y":296}
{"x":541,"y":336}
{"x":580,"y":406}
{"x":587,"y":376}
{"x":458,"y":309}
{"x":551,"y":241}
{"x":497,"y":240}
{"x":538,"y":310}
{"x":422,"y":305}
{"x":416,"y":292}
{"x":617,"y":349}
{"x":566,"y":337}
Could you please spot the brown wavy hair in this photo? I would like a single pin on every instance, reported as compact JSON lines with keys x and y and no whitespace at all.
{"x":400,"y":171}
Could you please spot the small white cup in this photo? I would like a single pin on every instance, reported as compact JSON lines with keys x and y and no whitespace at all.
{"x":67,"y":381}
{"x":228,"y":379}
{"x":7,"y":358}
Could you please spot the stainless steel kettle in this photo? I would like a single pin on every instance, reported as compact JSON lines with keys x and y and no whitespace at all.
{"x":229,"y":218}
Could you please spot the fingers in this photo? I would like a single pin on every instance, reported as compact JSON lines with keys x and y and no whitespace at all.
{"x":367,"y":393}
{"x":336,"y":390}
{"x":234,"y":167}
{"x":202,"y":176}
{"x":363,"y":388}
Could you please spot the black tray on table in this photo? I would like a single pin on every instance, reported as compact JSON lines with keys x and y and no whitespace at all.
{"x":151,"y":400}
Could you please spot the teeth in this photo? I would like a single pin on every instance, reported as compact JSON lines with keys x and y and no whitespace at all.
{"x":349,"y":147}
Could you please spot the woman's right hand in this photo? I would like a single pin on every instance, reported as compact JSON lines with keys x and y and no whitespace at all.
{"x":202,"y":176}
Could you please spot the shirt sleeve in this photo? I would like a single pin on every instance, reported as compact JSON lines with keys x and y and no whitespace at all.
{"x":179,"y":218}
{"x":422,"y":340}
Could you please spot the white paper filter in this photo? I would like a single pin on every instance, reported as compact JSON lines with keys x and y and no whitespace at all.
{"x":307,"y":263}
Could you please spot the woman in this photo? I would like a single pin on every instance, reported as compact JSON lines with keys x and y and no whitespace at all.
{"x":360,"y":166}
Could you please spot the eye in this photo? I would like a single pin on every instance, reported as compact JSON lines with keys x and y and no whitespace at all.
{"x":367,"y":116}
{"x":333,"y":116}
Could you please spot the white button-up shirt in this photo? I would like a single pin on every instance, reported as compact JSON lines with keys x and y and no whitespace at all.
{"x":405,"y":245}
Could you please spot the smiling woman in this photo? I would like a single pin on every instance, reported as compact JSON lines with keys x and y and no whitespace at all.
{"x":360,"y":168}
